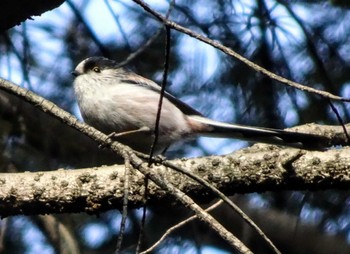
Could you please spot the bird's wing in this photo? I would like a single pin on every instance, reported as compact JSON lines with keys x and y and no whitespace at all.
{"x":137,"y":79}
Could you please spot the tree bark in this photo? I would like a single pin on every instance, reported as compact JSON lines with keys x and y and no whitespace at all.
{"x":12,"y":13}
{"x":93,"y":190}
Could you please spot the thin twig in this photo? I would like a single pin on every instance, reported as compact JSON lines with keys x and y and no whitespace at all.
{"x":216,"y":192}
{"x":323,"y":70}
{"x":25,"y":55}
{"x":156,"y":129}
{"x":146,"y":44}
{"x":143,"y":219}
{"x":223,"y":197}
{"x":340,"y":120}
{"x":178,"y":225}
{"x":189,"y":203}
{"x":125,"y":205}
{"x":162,"y":91}
{"x":141,"y":49}
{"x":20,"y":57}
{"x":3,"y":228}
{"x":105,"y":52}
{"x":60,"y":237}
{"x":116,"y":19}
{"x":232,"y":53}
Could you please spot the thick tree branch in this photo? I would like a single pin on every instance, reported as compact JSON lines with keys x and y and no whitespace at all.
{"x":14,"y":12}
{"x":93,"y":190}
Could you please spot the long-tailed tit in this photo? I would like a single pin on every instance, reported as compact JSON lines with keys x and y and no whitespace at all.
{"x":118,"y":101}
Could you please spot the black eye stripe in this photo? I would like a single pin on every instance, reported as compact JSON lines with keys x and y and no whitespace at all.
{"x":89,"y":65}
{"x":100,"y":62}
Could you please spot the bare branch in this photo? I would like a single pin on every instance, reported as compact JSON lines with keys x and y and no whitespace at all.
{"x":178,"y":225}
{"x":14,"y":12}
{"x":58,"y":234}
{"x":162,"y":91}
{"x":94,"y":190}
{"x":232,"y":53}
{"x":104,"y":50}
{"x":189,"y":203}
{"x":127,"y":170}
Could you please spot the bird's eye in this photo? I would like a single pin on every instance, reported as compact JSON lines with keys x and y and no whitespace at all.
{"x":96,"y":69}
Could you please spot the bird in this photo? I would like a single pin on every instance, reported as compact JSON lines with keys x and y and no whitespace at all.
{"x":124,"y":105}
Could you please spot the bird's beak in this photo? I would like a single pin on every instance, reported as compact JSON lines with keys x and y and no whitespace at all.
{"x":75,"y":73}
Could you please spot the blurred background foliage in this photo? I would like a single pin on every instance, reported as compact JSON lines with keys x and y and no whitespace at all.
{"x":305,"y":41}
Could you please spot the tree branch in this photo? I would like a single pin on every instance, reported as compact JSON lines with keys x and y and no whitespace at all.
{"x":232,"y":53}
{"x":14,"y":12}
{"x":94,"y":190}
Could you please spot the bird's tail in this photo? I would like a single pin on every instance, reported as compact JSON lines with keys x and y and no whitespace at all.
{"x":258,"y":134}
